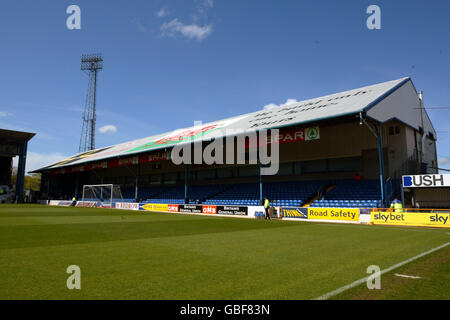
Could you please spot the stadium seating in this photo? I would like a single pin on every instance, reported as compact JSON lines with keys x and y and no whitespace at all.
{"x":352,"y":194}
{"x":168,"y":201}
{"x":346,"y":193}
{"x":239,"y":194}
{"x":144,"y":192}
{"x":292,"y":193}
{"x":197,"y":194}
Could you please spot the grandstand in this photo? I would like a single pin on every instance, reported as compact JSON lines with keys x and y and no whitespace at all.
{"x":351,"y":194}
{"x":378,"y":132}
{"x":12,"y":144}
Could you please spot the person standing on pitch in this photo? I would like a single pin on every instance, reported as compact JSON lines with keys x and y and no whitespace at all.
{"x":266,"y":208}
{"x":397,"y":205}
{"x":74,"y":202}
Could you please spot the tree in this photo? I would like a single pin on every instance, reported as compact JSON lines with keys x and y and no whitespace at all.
{"x":32,"y":180}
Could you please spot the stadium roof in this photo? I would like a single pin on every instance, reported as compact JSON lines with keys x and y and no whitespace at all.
{"x":10,"y":136}
{"x":396,"y":99}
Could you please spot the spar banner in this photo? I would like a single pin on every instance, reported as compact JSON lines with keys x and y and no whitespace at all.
{"x":416,"y":219}
{"x":299,"y":213}
{"x":296,"y":135}
{"x":341,"y":214}
{"x":289,"y":136}
{"x":232,"y":210}
{"x":190,"y":208}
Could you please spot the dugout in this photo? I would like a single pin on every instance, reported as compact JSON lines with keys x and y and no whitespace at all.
{"x":12,"y":144}
{"x":426,"y":191}
{"x":380,"y":131}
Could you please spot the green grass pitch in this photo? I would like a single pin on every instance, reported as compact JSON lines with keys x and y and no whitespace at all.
{"x":145,"y":255}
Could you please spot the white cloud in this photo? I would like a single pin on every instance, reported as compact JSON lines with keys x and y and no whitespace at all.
{"x":444,"y":161}
{"x":191,"y":31}
{"x":5,"y":114}
{"x":202,"y":9}
{"x":37,"y":160}
{"x":162,"y":13}
{"x":108,"y":129}
{"x":204,"y":5}
{"x":272,"y":105}
{"x":140,"y":25}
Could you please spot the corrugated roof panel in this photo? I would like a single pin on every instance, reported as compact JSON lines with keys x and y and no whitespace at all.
{"x":331,"y":106}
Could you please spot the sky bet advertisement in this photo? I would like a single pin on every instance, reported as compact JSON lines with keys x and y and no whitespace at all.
{"x":440,"y":220}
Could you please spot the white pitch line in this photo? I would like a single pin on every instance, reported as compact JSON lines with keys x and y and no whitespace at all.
{"x":406,"y":276}
{"x":395,"y":266}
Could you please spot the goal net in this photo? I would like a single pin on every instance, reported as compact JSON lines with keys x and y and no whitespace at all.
{"x":101,"y":195}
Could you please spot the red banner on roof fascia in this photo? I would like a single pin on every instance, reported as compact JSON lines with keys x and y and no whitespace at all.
{"x":96,"y":165}
{"x":123,"y":161}
{"x":138,"y":159}
{"x":76,"y":169}
{"x":154,"y":157}
{"x":59,"y":171}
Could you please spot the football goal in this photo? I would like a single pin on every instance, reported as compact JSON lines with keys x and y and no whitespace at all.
{"x":101,"y":195}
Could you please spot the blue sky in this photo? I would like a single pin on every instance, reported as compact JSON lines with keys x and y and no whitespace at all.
{"x":169,"y":63}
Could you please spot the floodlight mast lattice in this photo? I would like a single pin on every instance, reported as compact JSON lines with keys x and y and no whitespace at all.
{"x":91,"y":63}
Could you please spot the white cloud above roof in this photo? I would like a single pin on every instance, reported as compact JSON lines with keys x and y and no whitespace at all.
{"x":162,"y":13}
{"x":110,"y":128}
{"x":190,"y":31}
{"x":272,"y":105}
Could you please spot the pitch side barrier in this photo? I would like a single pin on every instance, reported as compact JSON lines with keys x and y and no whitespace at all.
{"x":337,"y":215}
{"x":340,"y":215}
{"x":437,"y":218}
{"x":237,"y":211}
{"x":409,"y":217}
{"x":213,"y":210}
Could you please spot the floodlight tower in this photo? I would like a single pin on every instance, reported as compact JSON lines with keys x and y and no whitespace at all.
{"x":90,"y":63}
